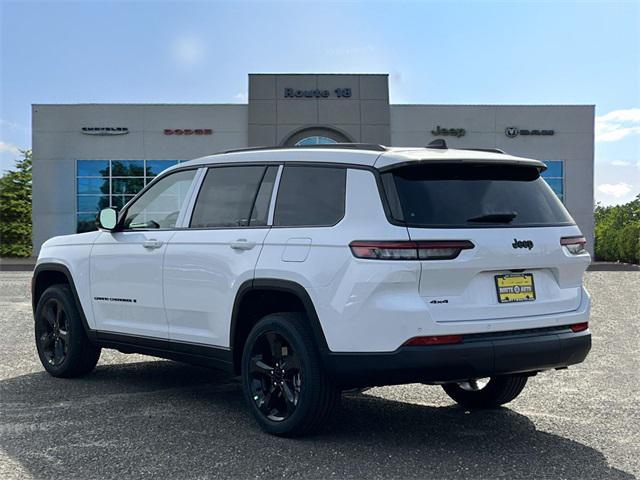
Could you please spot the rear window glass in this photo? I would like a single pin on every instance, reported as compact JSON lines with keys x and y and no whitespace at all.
{"x":310,"y":196}
{"x":472,"y":195}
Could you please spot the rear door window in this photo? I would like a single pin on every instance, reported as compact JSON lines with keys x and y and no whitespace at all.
{"x":472,"y":195}
{"x":310,"y":196}
{"x":234,"y":197}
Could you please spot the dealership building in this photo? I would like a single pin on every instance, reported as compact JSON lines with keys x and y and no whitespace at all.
{"x":90,"y":156}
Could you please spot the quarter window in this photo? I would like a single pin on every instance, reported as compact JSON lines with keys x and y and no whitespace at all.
{"x":160,"y":205}
{"x":310,"y":196}
{"x":234,"y":197}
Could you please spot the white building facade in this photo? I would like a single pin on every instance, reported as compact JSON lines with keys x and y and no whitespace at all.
{"x":90,"y":156}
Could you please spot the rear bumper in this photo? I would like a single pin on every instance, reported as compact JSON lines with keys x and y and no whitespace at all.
{"x":479,"y":355}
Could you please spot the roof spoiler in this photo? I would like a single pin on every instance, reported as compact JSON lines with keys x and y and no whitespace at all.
{"x":441,"y":144}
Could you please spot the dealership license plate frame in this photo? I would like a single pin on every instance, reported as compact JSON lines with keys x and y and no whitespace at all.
{"x":519,"y":280}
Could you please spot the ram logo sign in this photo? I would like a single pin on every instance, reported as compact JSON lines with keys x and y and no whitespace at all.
{"x":513,"y":132}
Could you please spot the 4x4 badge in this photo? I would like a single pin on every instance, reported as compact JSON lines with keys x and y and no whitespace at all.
{"x":522,"y":244}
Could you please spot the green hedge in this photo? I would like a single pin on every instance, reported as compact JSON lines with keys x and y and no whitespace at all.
{"x":617,"y":232}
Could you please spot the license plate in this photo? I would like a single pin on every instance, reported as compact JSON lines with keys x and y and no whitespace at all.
{"x":515,"y":287}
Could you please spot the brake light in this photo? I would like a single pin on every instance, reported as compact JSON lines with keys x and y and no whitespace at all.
{"x":579,"y":327}
{"x":433,"y":340}
{"x":576,"y":245}
{"x":407,"y":250}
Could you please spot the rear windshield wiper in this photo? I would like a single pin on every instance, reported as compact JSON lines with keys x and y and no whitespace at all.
{"x":498,"y":217}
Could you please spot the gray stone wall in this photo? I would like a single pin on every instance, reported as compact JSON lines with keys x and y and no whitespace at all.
{"x":282,"y":105}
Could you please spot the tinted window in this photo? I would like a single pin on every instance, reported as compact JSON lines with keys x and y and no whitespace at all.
{"x":160,"y":206}
{"x":227,"y":197}
{"x":473,"y":195}
{"x":310,"y":196}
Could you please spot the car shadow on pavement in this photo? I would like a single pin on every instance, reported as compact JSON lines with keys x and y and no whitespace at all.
{"x":168,"y":420}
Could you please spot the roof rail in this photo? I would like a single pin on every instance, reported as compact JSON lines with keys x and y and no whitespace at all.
{"x":490,"y":150}
{"x":352,"y":146}
{"x":355,"y":146}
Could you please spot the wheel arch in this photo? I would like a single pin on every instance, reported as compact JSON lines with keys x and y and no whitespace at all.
{"x":47,"y":274}
{"x":241,"y":321}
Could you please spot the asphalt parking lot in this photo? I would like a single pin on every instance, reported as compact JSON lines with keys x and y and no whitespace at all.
{"x":136,"y":417}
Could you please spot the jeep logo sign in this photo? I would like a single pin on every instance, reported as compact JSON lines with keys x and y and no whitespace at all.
{"x":454,"y":132}
{"x":513,"y":132}
{"x":522,"y":244}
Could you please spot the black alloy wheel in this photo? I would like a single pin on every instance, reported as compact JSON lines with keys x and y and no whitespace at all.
{"x":52,"y":332}
{"x":275,"y":376}
{"x":61,"y":340}
{"x":284,"y":381}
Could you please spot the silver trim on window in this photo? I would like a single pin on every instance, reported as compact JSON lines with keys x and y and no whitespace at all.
{"x":274,"y":194}
{"x":184,"y":217}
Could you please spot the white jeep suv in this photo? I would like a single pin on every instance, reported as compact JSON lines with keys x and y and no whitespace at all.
{"x":309,"y":271}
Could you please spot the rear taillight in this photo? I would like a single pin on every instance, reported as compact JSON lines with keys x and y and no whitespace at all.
{"x":575,"y":245}
{"x":579,"y":327}
{"x":433,"y":340}
{"x":407,"y":250}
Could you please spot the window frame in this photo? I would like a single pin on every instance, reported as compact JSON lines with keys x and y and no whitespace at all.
{"x":188,"y":217}
{"x":315,"y":164}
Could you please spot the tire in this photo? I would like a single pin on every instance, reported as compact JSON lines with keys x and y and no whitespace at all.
{"x":61,"y":340}
{"x":498,"y":391}
{"x":284,"y":384}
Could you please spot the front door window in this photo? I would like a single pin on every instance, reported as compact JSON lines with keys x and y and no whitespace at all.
{"x":159,"y":207}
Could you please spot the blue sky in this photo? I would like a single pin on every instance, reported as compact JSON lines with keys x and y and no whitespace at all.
{"x":453,"y":52}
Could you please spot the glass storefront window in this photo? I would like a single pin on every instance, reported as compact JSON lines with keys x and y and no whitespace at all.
{"x":110,"y":183}
{"x":315,"y":140}
{"x":86,"y":222}
{"x":127,"y":168}
{"x":154,"y":167}
{"x":93,"y":168}
{"x":92,"y":203}
{"x":554,"y":176}
{"x":94,"y":186}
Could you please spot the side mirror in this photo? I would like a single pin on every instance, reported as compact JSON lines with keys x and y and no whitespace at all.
{"x":108,"y":219}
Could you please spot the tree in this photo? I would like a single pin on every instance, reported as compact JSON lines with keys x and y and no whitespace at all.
{"x":15,"y":209}
{"x":617,"y":232}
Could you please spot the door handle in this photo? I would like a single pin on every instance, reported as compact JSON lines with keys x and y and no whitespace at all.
{"x":242,"y":244}
{"x":152,"y":244}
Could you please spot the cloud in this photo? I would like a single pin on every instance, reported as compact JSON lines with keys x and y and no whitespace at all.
{"x":187,"y":51}
{"x":241,"y":97}
{"x":615,"y":189}
{"x":620,"y":163}
{"x":9,"y":148}
{"x":617,"y":125}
